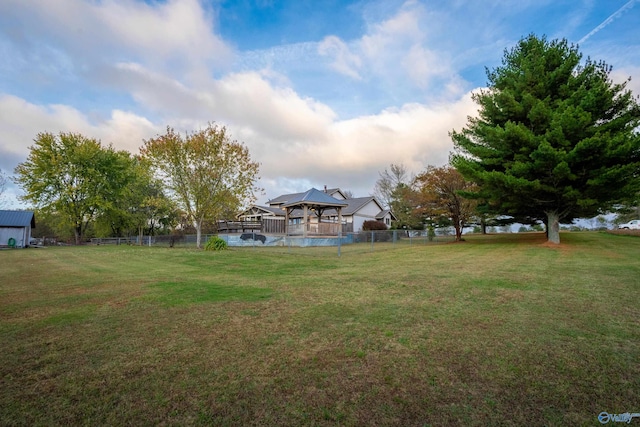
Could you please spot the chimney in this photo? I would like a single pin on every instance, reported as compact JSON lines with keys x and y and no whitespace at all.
{"x":325,"y":188}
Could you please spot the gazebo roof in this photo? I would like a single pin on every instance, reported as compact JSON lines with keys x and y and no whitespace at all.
{"x":314,"y":198}
{"x":285,"y":198}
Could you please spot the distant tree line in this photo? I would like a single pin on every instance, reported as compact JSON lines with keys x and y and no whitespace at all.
{"x":555,"y":140}
{"x":81,"y":188}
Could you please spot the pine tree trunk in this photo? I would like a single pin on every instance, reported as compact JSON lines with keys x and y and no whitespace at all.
{"x":546,"y":228}
{"x":553,"y":227}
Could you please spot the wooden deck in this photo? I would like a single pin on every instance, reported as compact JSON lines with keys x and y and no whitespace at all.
{"x":274,"y":226}
{"x":239,"y":226}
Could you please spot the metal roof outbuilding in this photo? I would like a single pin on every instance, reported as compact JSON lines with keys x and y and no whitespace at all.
{"x":17,"y":219}
{"x":15,"y":228}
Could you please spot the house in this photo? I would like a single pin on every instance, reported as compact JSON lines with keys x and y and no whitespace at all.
{"x":332,"y":208}
{"x":15,"y":228}
{"x":361,"y":209}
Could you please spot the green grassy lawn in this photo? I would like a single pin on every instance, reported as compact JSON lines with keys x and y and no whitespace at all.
{"x":498,"y":330}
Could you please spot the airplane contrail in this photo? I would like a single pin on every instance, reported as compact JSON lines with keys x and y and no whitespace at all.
{"x":609,"y":20}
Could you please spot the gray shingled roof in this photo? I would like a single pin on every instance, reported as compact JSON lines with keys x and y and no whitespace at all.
{"x":276,"y":211}
{"x":316,"y":198}
{"x":353,"y":205}
{"x":17,"y":219}
{"x":385,"y":212}
{"x":286,"y":197}
{"x":273,"y":210}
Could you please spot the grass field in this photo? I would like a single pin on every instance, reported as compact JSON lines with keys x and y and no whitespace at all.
{"x":498,"y":330}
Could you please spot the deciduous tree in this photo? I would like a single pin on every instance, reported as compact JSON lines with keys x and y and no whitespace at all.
{"x":207,"y":172}
{"x":142,"y":207}
{"x":439,"y":195}
{"x":386,"y":188}
{"x":73,"y":176}
{"x":403,"y":204}
{"x":555,"y":138}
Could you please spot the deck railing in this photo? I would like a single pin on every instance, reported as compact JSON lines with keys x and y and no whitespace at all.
{"x":278,"y":226}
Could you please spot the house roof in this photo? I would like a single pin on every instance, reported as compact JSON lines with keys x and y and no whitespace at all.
{"x":349,"y":207}
{"x":17,"y":219}
{"x":267,"y":209}
{"x":286,"y":197}
{"x":357,"y":203}
{"x":354,"y":205}
{"x":384,"y":213}
{"x":316,"y":198}
{"x":275,"y":211}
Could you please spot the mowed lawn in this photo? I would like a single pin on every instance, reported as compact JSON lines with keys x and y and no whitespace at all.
{"x":498,"y":330}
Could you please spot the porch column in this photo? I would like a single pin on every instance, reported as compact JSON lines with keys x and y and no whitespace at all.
{"x":305,"y":217}
{"x":286,"y":221}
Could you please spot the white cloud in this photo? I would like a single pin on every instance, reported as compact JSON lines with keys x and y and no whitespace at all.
{"x":397,"y":50}
{"x":344,"y":61}
{"x":277,"y":112}
{"x":21,"y":122}
{"x":352,"y":152}
{"x":422,"y":64}
{"x":622,"y":75}
{"x":164,"y":64}
{"x":159,"y":93}
{"x":401,"y":30}
{"x":176,"y":34}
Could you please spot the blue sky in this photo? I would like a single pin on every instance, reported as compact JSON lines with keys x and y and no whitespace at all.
{"x":322,"y":92}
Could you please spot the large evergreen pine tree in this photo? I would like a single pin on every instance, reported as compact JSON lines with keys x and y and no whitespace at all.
{"x":555,"y":139}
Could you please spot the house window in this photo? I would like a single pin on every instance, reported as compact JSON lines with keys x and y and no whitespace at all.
{"x":386,"y":221}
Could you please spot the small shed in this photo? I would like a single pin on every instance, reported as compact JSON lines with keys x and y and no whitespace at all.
{"x":15,"y":228}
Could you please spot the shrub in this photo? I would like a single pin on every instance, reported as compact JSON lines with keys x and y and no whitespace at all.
{"x":215,"y":244}
{"x":431,"y":233}
{"x":372,"y":225}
